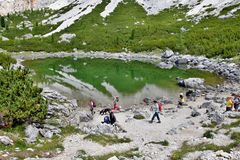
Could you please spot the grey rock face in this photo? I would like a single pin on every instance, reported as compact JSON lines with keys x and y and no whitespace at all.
{"x":216,"y":117}
{"x":53,"y":129}
{"x":84,"y":117}
{"x":46,"y":133}
{"x":56,"y":109}
{"x":194,"y":82}
{"x":79,"y":116}
{"x":182,"y":61}
{"x":31,"y":133}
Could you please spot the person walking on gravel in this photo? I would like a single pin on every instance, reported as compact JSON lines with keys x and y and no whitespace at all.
{"x":155,"y":110}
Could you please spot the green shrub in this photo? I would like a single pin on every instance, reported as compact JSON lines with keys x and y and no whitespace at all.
{"x":139,"y":117}
{"x":20,"y":100}
{"x":6,"y":60}
{"x":104,"y":139}
{"x":208,"y":134}
{"x":163,"y":143}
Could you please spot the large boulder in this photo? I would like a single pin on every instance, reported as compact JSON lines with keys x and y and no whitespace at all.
{"x":51,"y":128}
{"x":78,"y":117}
{"x":46,"y":133}
{"x":216,"y":117}
{"x":210,"y":107}
{"x":66,"y":37}
{"x":182,"y":61}
{"x":206,"y":104}
{"x":6,"y":140}
{"x":58,"y":109}
{"x":191,"y":83}
{"x":31,"y":133}
{"x":168,"y":54}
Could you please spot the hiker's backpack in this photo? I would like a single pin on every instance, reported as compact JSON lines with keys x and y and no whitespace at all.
{"x":160,"y":106}
{"x":106,"y":120}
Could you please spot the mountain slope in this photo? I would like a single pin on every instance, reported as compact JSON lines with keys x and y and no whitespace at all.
{"x":127,"y":25}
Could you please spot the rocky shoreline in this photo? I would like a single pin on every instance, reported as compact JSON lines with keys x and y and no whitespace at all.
{"x":165,"y":60}
{"x":178,"y":126}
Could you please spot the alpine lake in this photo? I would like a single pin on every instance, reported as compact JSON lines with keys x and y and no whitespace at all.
{"x":102,"y":79}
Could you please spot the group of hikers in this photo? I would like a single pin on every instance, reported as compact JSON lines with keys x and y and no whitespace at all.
{"x":232,"y":103}
{"x":156,"y":108}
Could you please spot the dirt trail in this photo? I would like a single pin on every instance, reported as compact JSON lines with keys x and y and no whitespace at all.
{"x":141,"y":132}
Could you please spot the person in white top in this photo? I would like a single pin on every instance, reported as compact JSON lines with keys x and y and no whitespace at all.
{"x":156,"y":111}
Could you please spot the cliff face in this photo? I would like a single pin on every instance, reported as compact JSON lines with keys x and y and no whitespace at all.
{"x":10,"y":6}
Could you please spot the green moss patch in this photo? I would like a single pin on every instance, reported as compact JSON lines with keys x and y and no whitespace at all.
{"x":106,"y":139}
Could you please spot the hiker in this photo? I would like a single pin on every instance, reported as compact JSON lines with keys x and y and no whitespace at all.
{"x":92,"y":105}
{"x":115,"y":104}
{"x":191,"y":95}
{"x":236,"y":102}
{"x":113,"y":121}
{"x":181,"y":100}
{"x":229,"y":104}
{"x":112,"y":118}
{"x":106,"y":120}
{"x":155,"y":109}
{"x":194,"y":95}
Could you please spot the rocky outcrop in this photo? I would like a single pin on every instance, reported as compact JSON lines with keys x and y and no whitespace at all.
{"x":66,"y":37}
{"x":100,"y":129}
{"x":22,"y":5}
{"x":31,"y":133}
{"x":221,"y":67}
{"x":6,"y":140}
{"x":197,"y":83}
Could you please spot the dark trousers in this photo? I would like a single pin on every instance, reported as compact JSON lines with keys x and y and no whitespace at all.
{"x":155,"y":115}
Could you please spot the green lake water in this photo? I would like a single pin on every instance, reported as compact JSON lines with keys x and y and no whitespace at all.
{"x":102,"y":79}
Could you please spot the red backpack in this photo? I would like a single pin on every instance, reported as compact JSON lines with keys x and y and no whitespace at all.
{"x":160,"y":106}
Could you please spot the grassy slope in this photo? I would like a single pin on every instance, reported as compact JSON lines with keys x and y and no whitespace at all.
{"x":120,"y":31}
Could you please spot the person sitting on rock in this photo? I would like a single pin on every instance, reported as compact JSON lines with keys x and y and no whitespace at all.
{"x":155,"y":109}
{"x":113,"y":121}
{"x":229,"y":104}
{"x":181,"y":100}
